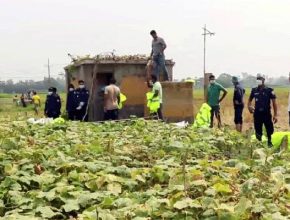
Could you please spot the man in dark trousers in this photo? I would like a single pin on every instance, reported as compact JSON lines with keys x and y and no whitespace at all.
{"x":71,"y":103}
{"x":157,"y":56}
{"x":263,"y":96}
{"x":52,"y":104}
{"x":238,"y":101}
{"x":111,"y":101}
{"x":82,"y":98}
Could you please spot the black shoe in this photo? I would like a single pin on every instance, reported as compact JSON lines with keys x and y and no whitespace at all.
{"x":270,"y":144}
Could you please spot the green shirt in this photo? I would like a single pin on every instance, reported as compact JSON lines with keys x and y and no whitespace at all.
{"x":214,"y":93}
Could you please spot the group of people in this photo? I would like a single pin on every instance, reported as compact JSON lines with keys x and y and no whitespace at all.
{"x":27,"y":98}
{"x":78,"y":99}
{"x":263,"y":97}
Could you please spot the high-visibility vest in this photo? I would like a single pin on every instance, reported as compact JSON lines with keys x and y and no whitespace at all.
{"x":58,"y":120}
{"x":203,"y":117}
{"x":123,"y":98}
{"x":276,"y":138}
{"x":153,"y":103}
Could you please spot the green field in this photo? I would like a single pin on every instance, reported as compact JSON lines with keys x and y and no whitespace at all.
{"x":137,"y":170}
{"x":9,"y":108}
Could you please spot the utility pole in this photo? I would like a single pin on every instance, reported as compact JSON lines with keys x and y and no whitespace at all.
{"x":205,"y":80}
{"x":48,"y":71}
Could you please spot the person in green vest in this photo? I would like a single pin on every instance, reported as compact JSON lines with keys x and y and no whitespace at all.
{"x":214,"y":99}
{"x":156,"y":99}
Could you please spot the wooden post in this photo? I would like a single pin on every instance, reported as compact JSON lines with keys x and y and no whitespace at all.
{"x":206,"y":82}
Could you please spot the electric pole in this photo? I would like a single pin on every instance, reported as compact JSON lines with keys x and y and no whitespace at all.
{"x":205,"y":33}
{"x":48,"y":71}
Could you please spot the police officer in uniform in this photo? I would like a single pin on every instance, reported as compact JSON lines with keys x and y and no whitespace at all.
{"x":71,"y":103}
{"x":263,"y":97}
{"x":82,"y":97}
{"x":52,"y":104}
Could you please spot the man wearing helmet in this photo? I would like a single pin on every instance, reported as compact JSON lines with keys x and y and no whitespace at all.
{"x":263,"y":96}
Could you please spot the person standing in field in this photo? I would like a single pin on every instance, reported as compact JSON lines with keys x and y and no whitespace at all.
{"x":111,"y":101}
{"x":263,"y":96}
{"x":214,"y":100}
{"x":52,"y":104}
{"x":82,"y":98}
{"x":157,"y":94}
{"x":238,"y":101}
{"x":157,"y":56}
{"x":36,"y":102}
{"x":71,"y":103}
{"x":22,"y":99}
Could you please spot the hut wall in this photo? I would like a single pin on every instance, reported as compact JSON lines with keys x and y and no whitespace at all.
{"x":130,"y":77}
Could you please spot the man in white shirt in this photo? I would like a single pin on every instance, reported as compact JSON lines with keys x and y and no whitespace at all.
{"x":157,"y":93}
{"x":157,"y":55}
{"x":111,"y":101}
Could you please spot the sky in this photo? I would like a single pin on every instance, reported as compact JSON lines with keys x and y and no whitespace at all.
{"x":251,"y":35}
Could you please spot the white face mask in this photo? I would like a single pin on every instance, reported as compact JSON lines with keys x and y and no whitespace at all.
{"x":71,"y":89}
{"x":49,"y":93}
{"x":212,"y":81}
{"x":81,"y":86}
{"x":259,"y":82}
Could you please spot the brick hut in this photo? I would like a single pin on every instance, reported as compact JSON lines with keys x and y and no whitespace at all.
{"x":130,"y":74}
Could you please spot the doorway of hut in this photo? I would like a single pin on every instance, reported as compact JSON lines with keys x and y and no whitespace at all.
{"x":101,"y":81}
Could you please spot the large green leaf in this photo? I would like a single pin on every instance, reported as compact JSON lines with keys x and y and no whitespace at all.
{"x":114,"y":188}
{"x":222,"y":188}
{"x":71,"y":205}
{"x":46,"y":212}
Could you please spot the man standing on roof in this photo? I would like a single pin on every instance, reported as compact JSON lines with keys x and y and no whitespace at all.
{"x":238,"y":101}
{"x":82,"y":98}
{"x":214,"y":100}
{"x":157,"y":56}
{"x":263,"y":96}
{"x":111,"y":101}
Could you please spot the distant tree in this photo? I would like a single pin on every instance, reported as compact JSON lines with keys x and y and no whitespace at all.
{"x":249,"y":81}
{"x":244,"y":75}
{"x":23,"y":86}
{"x":225,"y":80}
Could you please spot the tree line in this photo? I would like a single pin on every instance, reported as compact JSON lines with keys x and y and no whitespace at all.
{"x":10,"y":86}
{"x":247,"y":80}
